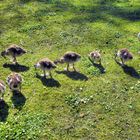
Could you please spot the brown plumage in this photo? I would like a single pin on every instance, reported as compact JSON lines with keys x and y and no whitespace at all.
{"x":69,"y":58}
{"x":124,"y":55}
{"x":2,"y":89}
{"x":13,"y":51}
{"x":45,"y":65}
{"x":95,"y":56}
{"x":14,"y":81}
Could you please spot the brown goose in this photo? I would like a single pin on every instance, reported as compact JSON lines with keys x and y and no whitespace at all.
{"x":69,"y":58}
{"x":13,"y":51}
{"x":124,"y":55}
{"x":45,"y":64}
{"x":14,"y":81}
{"x":95,"y":56}
{"x":2,"y":89}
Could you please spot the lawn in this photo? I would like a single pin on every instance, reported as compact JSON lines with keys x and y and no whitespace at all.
{"x":83,"y":105}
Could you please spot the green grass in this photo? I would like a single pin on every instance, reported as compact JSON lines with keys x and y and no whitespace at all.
{"x":89,"y":105}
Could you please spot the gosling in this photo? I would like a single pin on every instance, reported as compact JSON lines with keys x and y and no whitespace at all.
{"x":95,"y":56}
{"x":45,"y":65}
{"x":14,"y":81}
{"x":2,"y":89}
{"x":13,"y":51}
{"x":69,"y":58}
{"x":124,"y":55}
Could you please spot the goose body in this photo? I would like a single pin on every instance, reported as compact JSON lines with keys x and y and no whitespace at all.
{"x":95,"y":56}
{"x":45,"y":64}
{"x":69,"y":58}
{"x":13,"y":51}
{"x":2,"y":89}
{"x":124,"y":55}
{"x":14,"y":81}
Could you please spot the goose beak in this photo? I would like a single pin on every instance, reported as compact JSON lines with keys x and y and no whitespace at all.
{"x":24,"y":51}
{"x":3,"y":54}
{"x":55,"y":62}
{"x":55,"y":66}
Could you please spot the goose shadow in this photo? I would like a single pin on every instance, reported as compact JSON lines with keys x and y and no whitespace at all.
{"x":129,"y":70}
{"x":48,"y":82}
{"x":16,"y":67}
{"x":99,"y":66}
{"x":4,"y":111}
{"x":75,"y":75}
{"x":18,"y":99}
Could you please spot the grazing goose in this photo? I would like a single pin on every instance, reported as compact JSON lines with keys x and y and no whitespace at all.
{"x":139,"y":36}
{"x":14,"y":81}
{"x":45,"y":65}
{"x":69,"y":58}
{"x":95,"y":56}
{"x":2,"y":89}
{"x":124,"y":55}
{"x":13,"y":51}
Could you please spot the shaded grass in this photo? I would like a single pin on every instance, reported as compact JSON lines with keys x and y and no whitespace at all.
{"x":18,"y":99}
{"x":49,"y":82}
{"x":16,"y":68}
{"x":3,"y":110}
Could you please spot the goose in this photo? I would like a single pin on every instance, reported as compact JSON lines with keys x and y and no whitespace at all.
{"x":2,"y":89}
{"x":45,"y":64}
{"x":69,"y":58}
{"x":124,"y":55}
{"x":13,"y":51}
{"x":14,"y":81}
{"x":95,"y":56}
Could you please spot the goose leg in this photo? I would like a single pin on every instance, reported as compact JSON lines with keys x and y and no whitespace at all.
{"x":11,"y":60}
{"x":36,"y":71}
{"x":100,"y":61}
{"x":44,"y":73}
{"x":14,"y":60}
{"x":2,"y":96}
{"x":74,"y":67}
{"x":20,"y":87}
{"x":122,"y":61}
{"x":115,"y":56}
{"x":67,"y":66}
{"x":93,"y":60}
{"x":35,"y":68}
{"x":50,"y":74}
